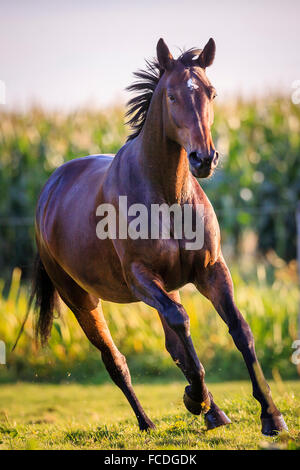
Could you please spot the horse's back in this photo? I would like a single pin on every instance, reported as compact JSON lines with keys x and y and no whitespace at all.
{"x":71,"y":190}
{"x":96,"y":165}
{"x":82,"y":171}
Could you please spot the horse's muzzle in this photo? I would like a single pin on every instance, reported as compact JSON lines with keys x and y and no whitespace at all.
{"x":203,"y":165}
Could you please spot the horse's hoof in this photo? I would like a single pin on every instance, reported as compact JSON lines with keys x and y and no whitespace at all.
{"x":193,"y":406}
{"x":147,"y":425}
{"x":215,"y":418}
{"x":273,"y":425}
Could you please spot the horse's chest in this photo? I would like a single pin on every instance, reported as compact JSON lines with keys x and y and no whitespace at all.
{"x":176,"y":260}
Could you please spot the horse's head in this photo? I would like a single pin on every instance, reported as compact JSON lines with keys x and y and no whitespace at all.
{"x":188,"y":104}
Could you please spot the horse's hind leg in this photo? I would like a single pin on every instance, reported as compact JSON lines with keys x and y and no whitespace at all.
{"x":95,"y":327}
{"x":214,"y":417}
{"x":88,"y":312}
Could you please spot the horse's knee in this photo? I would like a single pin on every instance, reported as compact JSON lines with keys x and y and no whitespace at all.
{"x":172,"y":348}
{"x":177,"y":319}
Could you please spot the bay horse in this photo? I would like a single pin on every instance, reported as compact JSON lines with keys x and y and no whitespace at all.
{"x":170,"y":147}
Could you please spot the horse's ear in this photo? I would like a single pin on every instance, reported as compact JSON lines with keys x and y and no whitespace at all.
{"x":164,"y":56}
{"x":207,"y":56}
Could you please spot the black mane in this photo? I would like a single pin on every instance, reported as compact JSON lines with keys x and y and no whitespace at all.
{"x":145,"y":86}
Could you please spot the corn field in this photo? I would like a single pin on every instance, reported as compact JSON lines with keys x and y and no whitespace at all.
{"x":256,"y":186}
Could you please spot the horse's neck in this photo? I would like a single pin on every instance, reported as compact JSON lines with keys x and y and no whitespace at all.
{"x":164,"y":162}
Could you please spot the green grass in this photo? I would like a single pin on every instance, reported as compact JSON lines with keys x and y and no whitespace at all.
{"x":73,"y":416}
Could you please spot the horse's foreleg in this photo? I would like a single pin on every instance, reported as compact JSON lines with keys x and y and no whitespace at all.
{"x":214,"y":417}
{"x":148,"y":287}
{"x":216,"y":285}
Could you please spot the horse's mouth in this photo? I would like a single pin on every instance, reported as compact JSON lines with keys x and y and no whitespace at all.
{"x":202,"y":172}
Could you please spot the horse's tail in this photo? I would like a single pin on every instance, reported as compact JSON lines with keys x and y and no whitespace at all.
{"x":44,"y":293}
{"x":44,"y":296}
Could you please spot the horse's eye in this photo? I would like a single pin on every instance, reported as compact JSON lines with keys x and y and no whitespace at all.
{"x":211,"y":93}
{"x":172,"y":98}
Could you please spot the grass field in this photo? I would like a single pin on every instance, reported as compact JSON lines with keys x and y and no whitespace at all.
{"x":72,"y":416}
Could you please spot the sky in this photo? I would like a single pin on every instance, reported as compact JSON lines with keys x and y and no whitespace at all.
{"x":67,"y":54}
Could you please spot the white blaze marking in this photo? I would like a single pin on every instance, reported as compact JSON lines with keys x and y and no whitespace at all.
{"x":191,"y":84}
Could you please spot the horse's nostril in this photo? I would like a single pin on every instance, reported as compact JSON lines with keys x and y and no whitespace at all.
{"x":215,"y":158}
{"x":195,"y":159}
{"x":193,"y":156}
